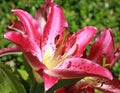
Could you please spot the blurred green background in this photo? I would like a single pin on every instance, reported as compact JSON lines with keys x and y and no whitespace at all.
{"x":79,"y":13}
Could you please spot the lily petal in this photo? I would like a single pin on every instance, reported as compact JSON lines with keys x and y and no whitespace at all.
{"x":41,"y":18}
{"x":17,"y":26}
{"x":49,"y":81}
{"x":117,"y":55}
{"x":30,"y":49}
{"x":110,"y":86}
{"x":80,"y":40}
{"x":78,"y":67}
{"x":30,"y":25}
{"x":42,"y":14}
{"x":60,"y":90}
{"x":9,"y":50}
{"x":54,"y":27}
{"x":103,"y":46}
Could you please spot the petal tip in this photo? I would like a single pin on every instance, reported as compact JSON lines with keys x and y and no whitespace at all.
{"x":8,"y":34}
{"x":49,"y":81}
{"x":14,"y":10}
{"x":92,"y":27}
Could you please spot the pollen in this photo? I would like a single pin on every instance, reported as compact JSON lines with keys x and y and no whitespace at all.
{"x":53,"y":61}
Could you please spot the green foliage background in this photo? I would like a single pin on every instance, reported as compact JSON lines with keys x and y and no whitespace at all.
{"x":79,"y":13}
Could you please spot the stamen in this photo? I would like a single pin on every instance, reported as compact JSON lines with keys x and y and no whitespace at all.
{"x":63,"y":50}
{"x":97,"y":82}
{"x":57,"y":38}
{"x":65,"y":56}
{"x":60,"y":53}
{"x":75,"y":51}
{"x":73,"y":42}
{"x":104,"y":61}
{"x":46,"y":57}
{"x":60,"y":44}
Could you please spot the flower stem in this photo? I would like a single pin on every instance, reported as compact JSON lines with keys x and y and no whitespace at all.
{"x":33,"y":87}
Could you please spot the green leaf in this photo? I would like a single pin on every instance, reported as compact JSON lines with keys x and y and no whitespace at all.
{"x":3,"y":42}
{"x":28,"y":68}
{"x":9,"y":82}
{"x":35,"y":87}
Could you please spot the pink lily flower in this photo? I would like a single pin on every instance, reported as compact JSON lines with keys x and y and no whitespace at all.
{"x":99,"y":51}
{"x":88,"y":85}
{"x":49,"y":48}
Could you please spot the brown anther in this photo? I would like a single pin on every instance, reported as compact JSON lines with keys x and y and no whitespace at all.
{"x":66,"y":35}
{"x":59,"y":43}
{"x":63,"y":50}
{"x":102,"y":83}
{"x":56,"y":39}
{"x":73,"y":42}
{"x":75,"y":51}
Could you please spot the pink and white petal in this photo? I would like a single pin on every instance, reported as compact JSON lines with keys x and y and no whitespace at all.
{"x":80,"y":40}
{"x":30,"y":24}
{"x":49,"y":81}
{"x":110,"y":86}
{"x":54,"y":27}
{"x":34,"y":61}
{"x":9,"y":50}
{"x":30,"y":49}
{"x":117,"y":55}
{"x":103,"y":46}
{"x":42,"y":14}
{"x":78,"y":67}
{"x":24,"y":42}
{"x":17,"y":26}
{"x":41,"y":18}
